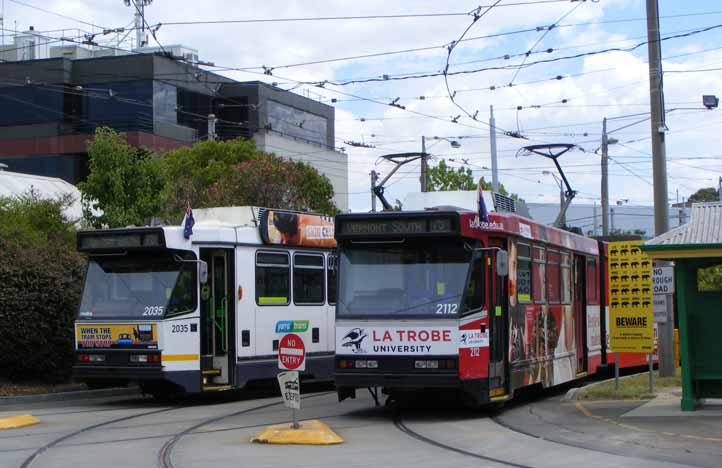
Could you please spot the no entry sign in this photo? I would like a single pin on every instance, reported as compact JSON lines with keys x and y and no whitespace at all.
{"x":291,"y":353}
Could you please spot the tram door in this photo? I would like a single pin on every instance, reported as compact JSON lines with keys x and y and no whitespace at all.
{"x":498,"y":312}
{"x":580,"y":316}
{"x":217,"y":308}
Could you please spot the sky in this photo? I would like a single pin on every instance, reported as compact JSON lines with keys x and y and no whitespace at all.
{"x":561,"y":94}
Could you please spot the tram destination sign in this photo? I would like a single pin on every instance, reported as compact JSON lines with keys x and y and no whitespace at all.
{"x":396,"y":226}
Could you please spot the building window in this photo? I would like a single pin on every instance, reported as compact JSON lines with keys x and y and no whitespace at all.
{"x":308,"y":278}
{"x":297,"y":123}
{"x":272,"y":278}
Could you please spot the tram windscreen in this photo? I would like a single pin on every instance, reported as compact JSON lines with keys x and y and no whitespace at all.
{"x":143,"y":286}
{"x":421,"y":277}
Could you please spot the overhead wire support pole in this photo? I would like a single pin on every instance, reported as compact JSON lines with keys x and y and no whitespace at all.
{"x":656,"y":100}
{"x":424,"y":166}
{"x":492,"y":142}
{"x":659,"y":172}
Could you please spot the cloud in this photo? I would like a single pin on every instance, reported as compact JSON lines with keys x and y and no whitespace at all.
{"x":568,"y":110}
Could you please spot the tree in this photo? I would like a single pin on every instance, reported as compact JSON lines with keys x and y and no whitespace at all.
{"x":442,"y":178}
{"x":190,"y":172}
{"x":40,"y":289}
{"x":124,"y":184}
{"x":708,"y":194}
{"x":270,"y":181}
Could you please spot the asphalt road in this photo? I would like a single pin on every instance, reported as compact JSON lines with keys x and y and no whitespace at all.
{"x":215,"y":432}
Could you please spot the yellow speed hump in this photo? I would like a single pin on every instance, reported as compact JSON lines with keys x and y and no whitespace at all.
{"x":631,"y":327}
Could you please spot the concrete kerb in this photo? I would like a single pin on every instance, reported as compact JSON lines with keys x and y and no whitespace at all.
{"x":75,"y":395}
{"x":573,"y":393}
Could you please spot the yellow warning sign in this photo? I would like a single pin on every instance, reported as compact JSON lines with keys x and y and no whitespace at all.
{"x":631,"y":327}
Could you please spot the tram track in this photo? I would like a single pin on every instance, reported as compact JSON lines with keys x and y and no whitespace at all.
{"x":401,"y":426}
{"x":28,"y":461}
{"x":166,"y":451}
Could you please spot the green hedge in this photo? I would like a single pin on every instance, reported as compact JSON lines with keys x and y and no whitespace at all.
{"x":40,"y":282}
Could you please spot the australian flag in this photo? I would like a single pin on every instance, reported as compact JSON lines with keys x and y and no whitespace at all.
{"x":483,"y":214}
{"x":190,"y":222}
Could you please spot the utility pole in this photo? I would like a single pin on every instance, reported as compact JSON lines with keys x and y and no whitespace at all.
{"x":492,"y":141}
{"x":212,"y":126}
{"x":656,"y":100}
{"x":374,"y":178}
{"x":605,"y":180}
{"x":424,"y":166}
{"x":139,"y":23}
{"x":611,"y":211}
{"x":659,"y":170}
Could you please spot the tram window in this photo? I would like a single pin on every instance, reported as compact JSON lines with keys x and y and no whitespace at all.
{"x":592,"y":284}
{"x":553,"y":277}
{"x":539,"y":275}
{"x":523,"y":274}
{"x":273,"y":277}
{"x":331,"y":278}
{"x":566,"y":280}
{"x":474,"y":293}
{"x":523,"y":250}
{"x":308,"y":277}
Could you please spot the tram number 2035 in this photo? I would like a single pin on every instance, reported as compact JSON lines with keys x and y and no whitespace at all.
{"x":446,"y":309}
{"x":153,"y":311}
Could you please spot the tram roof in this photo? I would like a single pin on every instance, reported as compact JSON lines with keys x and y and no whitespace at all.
{"x":508,"y":224}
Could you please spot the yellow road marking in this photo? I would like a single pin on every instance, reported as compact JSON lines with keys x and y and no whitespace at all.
{"x":18,"y":421}
{"x":179,"y":357}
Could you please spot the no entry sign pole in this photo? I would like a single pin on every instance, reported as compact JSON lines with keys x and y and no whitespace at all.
{"x":292,"y":357}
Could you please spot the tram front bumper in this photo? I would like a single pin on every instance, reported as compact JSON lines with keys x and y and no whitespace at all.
{"x":397,"y":380}
{"x":96,"y":372}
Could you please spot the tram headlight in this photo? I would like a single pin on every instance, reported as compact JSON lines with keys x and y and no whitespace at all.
{"x":367,"y":364}
{"x":432,"y":364}
{"x":144,"y":358}
{"x":91,"y":357}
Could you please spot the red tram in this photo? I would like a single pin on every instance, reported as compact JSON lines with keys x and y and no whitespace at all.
{"x":439,"y":299}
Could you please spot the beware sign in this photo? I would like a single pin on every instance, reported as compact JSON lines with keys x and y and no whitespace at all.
{"x":291,"y":353}
{"x":630,"y":298}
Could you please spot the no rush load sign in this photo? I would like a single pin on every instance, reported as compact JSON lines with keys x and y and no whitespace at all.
{"x":291,"y":353}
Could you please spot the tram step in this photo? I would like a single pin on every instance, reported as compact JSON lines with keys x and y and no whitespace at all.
{"x":211,"y":372}
{"x":216,"y":388}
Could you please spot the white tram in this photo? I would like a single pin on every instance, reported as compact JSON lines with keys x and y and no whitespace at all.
{"x":205,"y":313}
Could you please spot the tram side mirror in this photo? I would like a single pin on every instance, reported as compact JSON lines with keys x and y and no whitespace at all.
{"x":502,"y":263}
{"x":203,"y":272}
